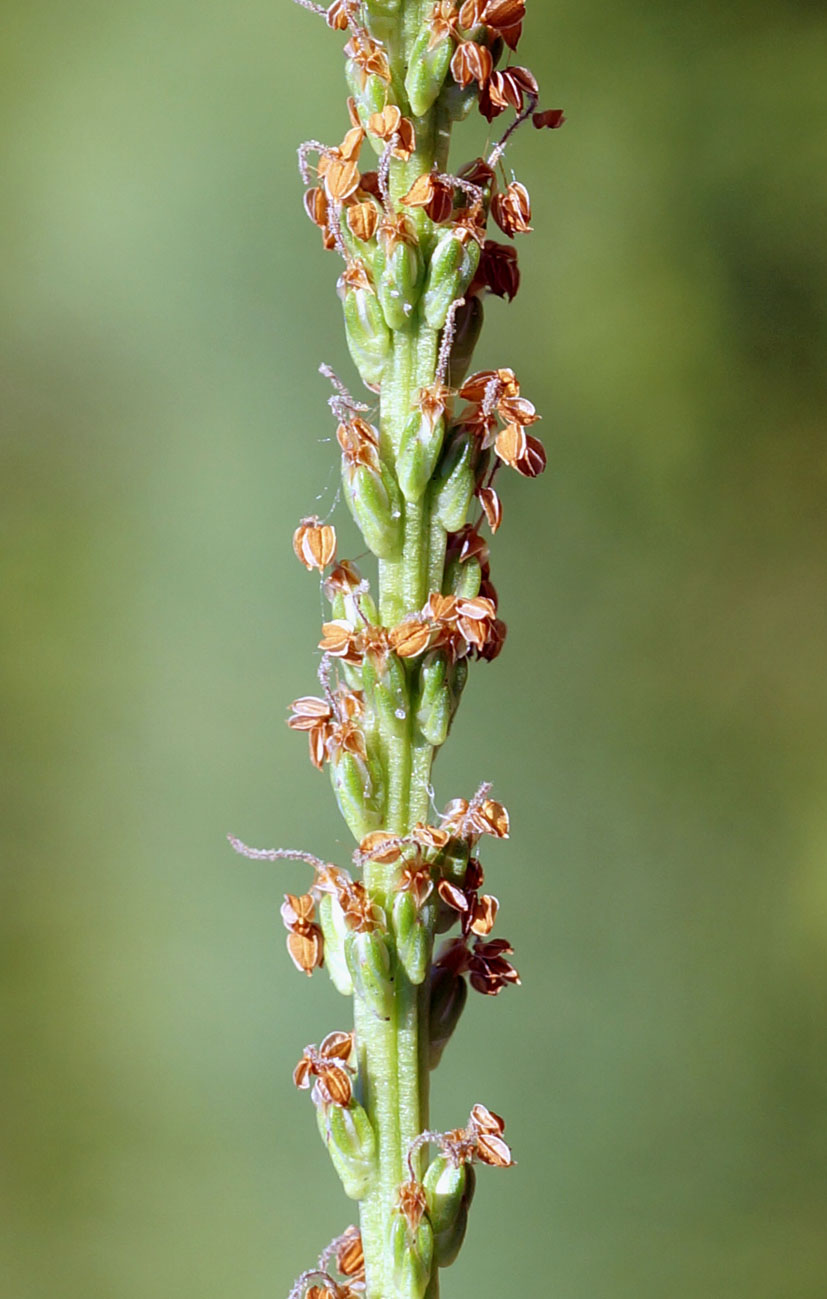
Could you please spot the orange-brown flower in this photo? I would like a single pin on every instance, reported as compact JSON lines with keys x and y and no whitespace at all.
{"x":485,"y":963}
{"x":498,"y":271}
{"x":396,"y":228}
{"x":415,"y":878}
{"x":362,"y":220}
{"x":314,"y":543}
{"x":477,"y":912}
{"x":521,"y":451}
{"x":369,"y":56}
{"x":328,"y":1064}
{"x":411,"y":1202}
{"x":512,"y":210}
{"x":492,"y":507}
{"x":362,"y":914}
{"x":482,"y":815}
{"x":433,"y":194}
{"x":337,"y":17}
{"x":552,"y":118}
{"x":315,"y":716}
{"x":305,"y":943}
{"x":443,"y":21}
{"x":471,"y":62}
{"x":388,"y":125}
{"x":359,"y":442}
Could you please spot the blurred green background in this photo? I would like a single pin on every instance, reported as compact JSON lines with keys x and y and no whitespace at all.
{"x":656,"y":726}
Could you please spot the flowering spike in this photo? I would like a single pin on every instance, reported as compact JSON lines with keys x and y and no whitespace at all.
{"x":419,"y":459}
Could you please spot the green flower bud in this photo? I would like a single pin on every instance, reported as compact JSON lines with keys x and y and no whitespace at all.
{"x":332,"y":922}
{"x":358,"y":800}
{"x":448,"y":995}
{"x":419,"y":449}
{"x":464,"y":578}
{"x":376,"y":505}
{"x":368,"y":337}
{"x":427,"y":70}
{"x":411,"y":1257}
{"x":388,"y":690}
{"x":450,"y":271}
{"x":399,"y":284}
{"x":455,"y":481}
{"x":435,"y":705}
{"x":413,"y":940}
{"x":371,"y":97}
{"x":467,"y":328}
{"x":450,"y":1191}
{"x":457,"y":101}
{"x":348,"y":1134}
{"x":369,"y":962}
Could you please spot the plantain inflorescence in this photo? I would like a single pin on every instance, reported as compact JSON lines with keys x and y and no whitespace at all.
{"x":419,"y":458}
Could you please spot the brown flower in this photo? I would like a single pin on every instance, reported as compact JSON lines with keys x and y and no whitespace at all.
{"x":314,"y":543}
{"x":328,"y":1064}
{"x":471,"y":62}
{"x":433,"y":194}
{"x":512,"y":210}
{"x":305,"y":942}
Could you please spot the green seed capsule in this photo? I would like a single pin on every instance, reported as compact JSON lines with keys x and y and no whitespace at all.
{"x":419,"y":450}
{"x":427,"y":70}
{"x":448,"y":995}
{"x":355,"y":794}
{"x":411,"y":1257}
{"x":464,"y":578}
{"x":332,"y":921}
{"x":348,"y":1134}
{"x":457,"y":101}
{"x":413,"y":940}
{"x":369,"y":962}
{"x":467,"y":328}
{"x":371,"y":97}
{"x":455,"y":482}
{"x":399,"y":284}
{"x":451,"y":270}
{"x":376,"y":505}
{"x":388,"y":690}
{"x":434,"y":706}
{"x":368,"y":337}
{"x":450,"y":1191}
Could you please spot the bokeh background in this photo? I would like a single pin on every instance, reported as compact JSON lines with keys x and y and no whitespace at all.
{"x":657,"y":726}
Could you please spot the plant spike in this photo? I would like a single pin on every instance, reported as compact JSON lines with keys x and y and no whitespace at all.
{"x":418,"y":473}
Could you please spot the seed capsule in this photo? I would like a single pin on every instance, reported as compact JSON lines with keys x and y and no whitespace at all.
{"x":413,"y":941}
{"x":452,"y":267}
{"x":348,"y":1134}
{"x":464,"y":579}
{"x":369,"y":962}
{"x":419,"y":449}
{"x":454,"y":485}
{"x":332,"y":922}
{"x":412,"y":1257}
{"x":427,"y":70}
{"x":434,"y":706}
{"x":368,"y":336}
{"x":449,"y":1190}
{"x":399,"y":283}
{"x":388,"y":688}
{"x":376,"y":505}
{"x":355,"y":794}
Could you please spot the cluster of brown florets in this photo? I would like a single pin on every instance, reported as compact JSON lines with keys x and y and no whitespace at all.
{"x":346,"y":1256}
